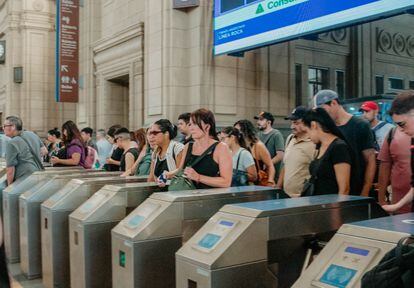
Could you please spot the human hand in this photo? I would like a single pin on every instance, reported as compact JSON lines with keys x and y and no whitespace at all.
{"x":54,"y":160}
{"x":191,"y":174}
{"x":390,"y":208}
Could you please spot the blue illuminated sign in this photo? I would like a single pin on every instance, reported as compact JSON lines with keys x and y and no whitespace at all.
{"x":226,"y":223}
{"x":245,"y":24}
{"x":209,"y":240}
{"x":338,"y":276}
{"x":357,"y":251}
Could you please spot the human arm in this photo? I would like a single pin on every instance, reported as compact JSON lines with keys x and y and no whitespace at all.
{"x":383,"y":181}
{"x":408,"y":198}
{"x":251,"y":173}
{"x":43,"y":150}
{"x":151,"y":177}
{"x":72,"y":161}
{"x":279,"y":184}
{"x":129,"y":161}
{"x":113,"y":162}
{"x":222,"y":156}
{"x":10,"y":174}
{"x":343,"y":175}
{"x":370,"y":166}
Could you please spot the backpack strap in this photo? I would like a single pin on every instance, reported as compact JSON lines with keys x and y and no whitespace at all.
{"x":238,"y":158}
{"x":379,"y":126}
{"x":391,"y":135}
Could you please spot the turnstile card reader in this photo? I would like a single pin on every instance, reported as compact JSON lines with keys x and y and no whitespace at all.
{"x":55,"y":225}
{"x":29,"y":218}
{"x":355,"y":249}
{"x":145,"y":242}
{"x":263,"y":244}
{"x":90,"y":231}
{"x":11,"y":207}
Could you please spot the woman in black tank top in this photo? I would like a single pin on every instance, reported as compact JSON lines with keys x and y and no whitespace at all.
{"x":216,"y":168}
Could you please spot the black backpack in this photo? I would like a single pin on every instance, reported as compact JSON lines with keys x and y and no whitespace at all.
{"x":396,"y":268}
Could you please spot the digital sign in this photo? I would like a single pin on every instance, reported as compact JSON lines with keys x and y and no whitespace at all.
{"x":241,"y":25}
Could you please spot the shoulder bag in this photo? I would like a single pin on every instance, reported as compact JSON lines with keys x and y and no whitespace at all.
{"x":239,"y":177}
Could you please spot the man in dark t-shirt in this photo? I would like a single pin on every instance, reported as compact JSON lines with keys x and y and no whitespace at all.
{"x":359,"y":137}
{"x":402,"y":112}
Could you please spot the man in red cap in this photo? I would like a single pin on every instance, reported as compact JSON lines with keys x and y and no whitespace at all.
{"x":381,"y":129}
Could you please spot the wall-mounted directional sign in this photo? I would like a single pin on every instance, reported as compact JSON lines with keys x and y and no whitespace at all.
{"x":241,"y":25}
{"x":67,"y":51}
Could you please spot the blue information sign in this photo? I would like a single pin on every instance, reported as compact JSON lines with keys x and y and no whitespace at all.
{"x":244,"y":24}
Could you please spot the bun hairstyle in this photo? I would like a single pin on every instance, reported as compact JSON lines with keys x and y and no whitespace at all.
{"x":166,"y":126}
{"x":54,"y":132}
{"x":238,"y":135}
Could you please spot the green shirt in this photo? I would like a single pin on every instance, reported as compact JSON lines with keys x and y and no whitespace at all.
{"x":274,"y":142}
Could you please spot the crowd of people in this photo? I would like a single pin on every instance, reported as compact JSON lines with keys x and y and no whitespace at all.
{"x":329,"y":151}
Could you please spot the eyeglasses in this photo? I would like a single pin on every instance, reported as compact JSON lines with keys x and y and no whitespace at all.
{"x":401,"y":124}
{"x":9,"y":125}
{"x":154,"y":133}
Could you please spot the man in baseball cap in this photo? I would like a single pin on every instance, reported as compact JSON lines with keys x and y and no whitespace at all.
{"x":299,"y":152}
{"x":358,"y":135}
{"x":272,"y":138}
{"x":370,"y":112}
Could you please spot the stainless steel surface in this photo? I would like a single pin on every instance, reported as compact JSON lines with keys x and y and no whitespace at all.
{"x":90,"y":231}
{"x":11,"y":208}
{"x":357,"y":248}
{"x":269,"y":237}
{"x":144,"y":243}
{"x":29,"y":218}
{"x":55,"y":225}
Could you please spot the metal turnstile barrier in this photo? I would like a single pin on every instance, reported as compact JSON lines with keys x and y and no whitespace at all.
{"x":355,"y":249}
{"x":55,"y":225}
{"x":10,"y":204}
{"x":90,"y":231}
{"x":145,"y":242}
{"x":264,"y":244}
{"x":29,"y":218}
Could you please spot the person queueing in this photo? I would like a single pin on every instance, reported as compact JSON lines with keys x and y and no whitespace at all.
{"x":167,"y":153}
{"x":142,"y":165}
{"x":402,"y":112}
{"x":331,"y":169}
{"x":113,"y":162}
{"x":260,"y":153}
{"x":244,"y":169}
{"x":216,"y":169}
{"x":55,"y":143}
{"x":74,"y":145}
{"x":130,"y":155}
{"x":183,"y":127}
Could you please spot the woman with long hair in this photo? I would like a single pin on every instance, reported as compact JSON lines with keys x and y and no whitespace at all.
{"x":331,"y":169}
{"x":167,"y":153}
{"x":215,"y":169}
{"x":261,"y":155}
{"x":244,"y":170}
{"x":74,"y":145}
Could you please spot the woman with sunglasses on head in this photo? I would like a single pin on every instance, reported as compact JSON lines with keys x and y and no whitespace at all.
{"x":113,"y":162}
{"x":215,"y":168}
{"x":74,"y":147}
{"x":131,"y":153}
{"x":167,"y":153}
{"x":331,"y":169}
{"x":261,"y":155}
{"x":244,"y":169}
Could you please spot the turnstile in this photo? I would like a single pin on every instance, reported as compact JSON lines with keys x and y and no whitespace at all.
{"x":355,"y":249}
{"x":264,"y":244}
{"x":3,"y":185}
{"x":90,"y":231}
{"x":29,"y":218}
{"x":11,"y":207}
{"x":55,"y":225}
{"x":144,"y":243}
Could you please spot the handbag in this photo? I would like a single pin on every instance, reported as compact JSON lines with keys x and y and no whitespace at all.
{"x":35,"y":156}
{"x":396,"y":268}
{"x":309,"y":184}
{"x":239,"y":177}
{"x":180,"y":182}
{"x":262,"y":176}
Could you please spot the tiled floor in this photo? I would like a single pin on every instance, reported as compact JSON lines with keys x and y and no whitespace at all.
{"x":20,"y":281}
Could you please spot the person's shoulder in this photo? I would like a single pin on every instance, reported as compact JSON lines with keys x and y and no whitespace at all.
{"x":340,"y":142}
{"x":360,"y":123}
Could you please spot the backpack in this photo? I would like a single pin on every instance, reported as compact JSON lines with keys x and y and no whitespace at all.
{"x":91,"y":158}
{"x":396,"y":269}
{"x":378,"y":127}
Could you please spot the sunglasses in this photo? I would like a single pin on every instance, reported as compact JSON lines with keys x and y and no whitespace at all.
{"x":401,"y":124}
{"x":154,"y":133}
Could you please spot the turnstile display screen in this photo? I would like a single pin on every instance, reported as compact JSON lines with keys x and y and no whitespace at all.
{"x":209,"y":240}
{"x":357,"y":251}
{"x":338,"y":276}
{"x":135,"y":220}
